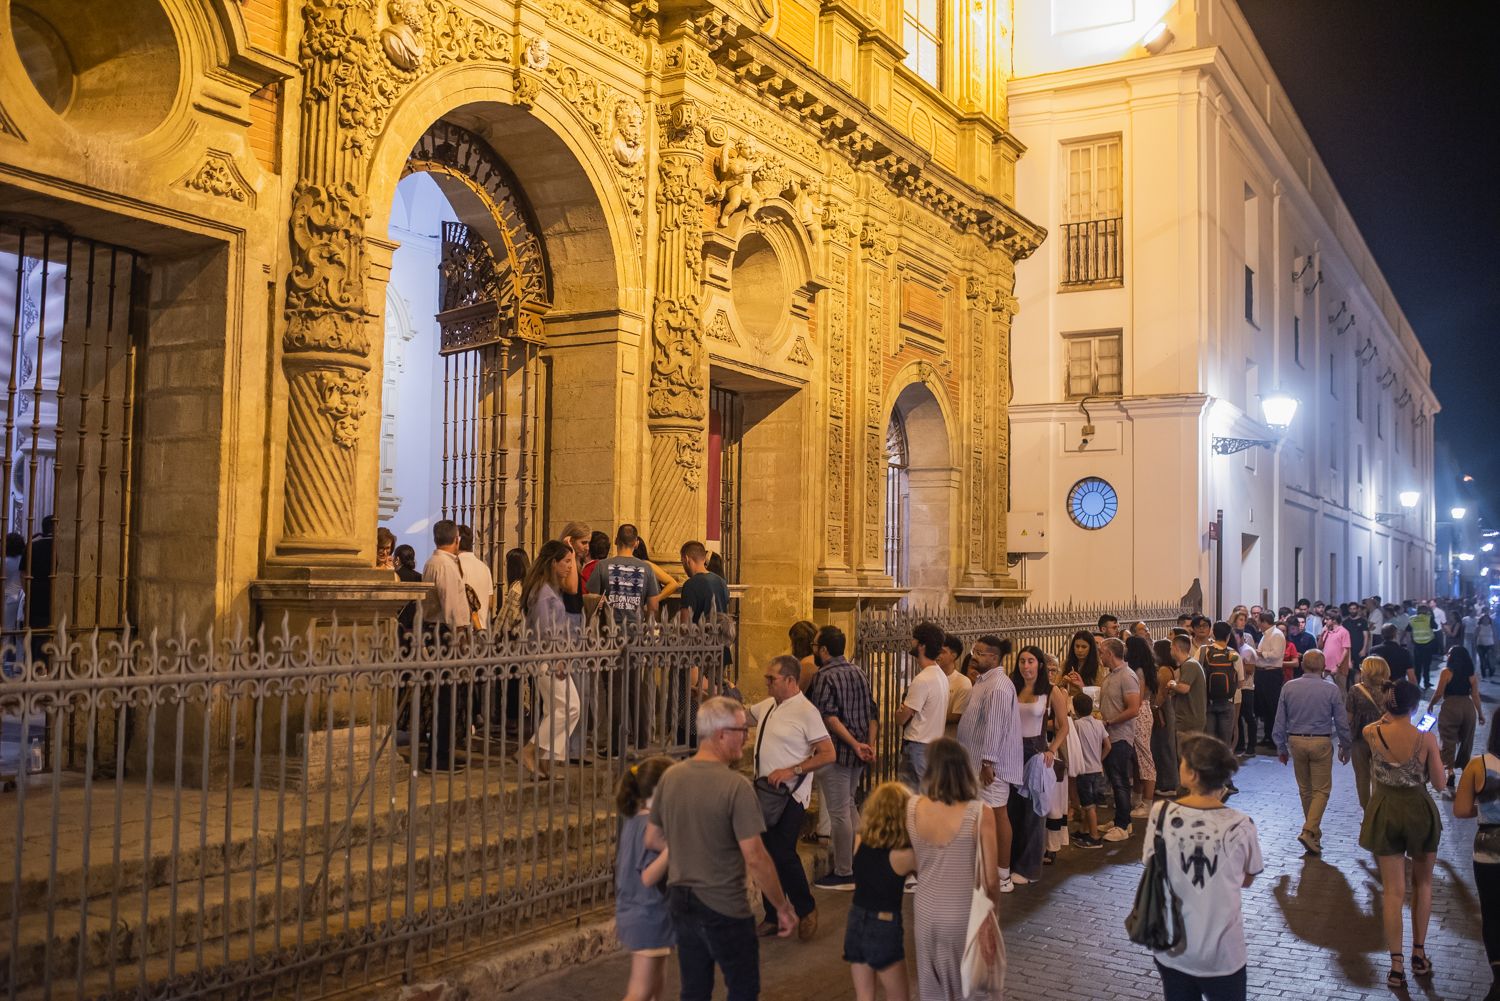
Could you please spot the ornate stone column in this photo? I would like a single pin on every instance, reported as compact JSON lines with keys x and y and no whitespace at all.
{"x":677,"y":408}
{"x":326,"y":344}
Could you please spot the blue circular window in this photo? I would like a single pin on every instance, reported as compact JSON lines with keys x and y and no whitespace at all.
{"x":1092,"y":503}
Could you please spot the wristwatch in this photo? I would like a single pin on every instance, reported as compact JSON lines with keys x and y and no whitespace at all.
{"x":797,"y":770}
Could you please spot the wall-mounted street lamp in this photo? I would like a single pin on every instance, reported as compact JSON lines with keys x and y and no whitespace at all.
{"x":1278,"y":410}
{"x":1408,"y":499}
{"x":1458,"y":512}
{"x":1466,"y":557}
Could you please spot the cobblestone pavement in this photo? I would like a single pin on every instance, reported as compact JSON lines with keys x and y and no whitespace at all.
{"x":1313,"y":925}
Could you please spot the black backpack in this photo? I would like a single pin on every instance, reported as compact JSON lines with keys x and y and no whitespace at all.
{"x":1221,"y":674}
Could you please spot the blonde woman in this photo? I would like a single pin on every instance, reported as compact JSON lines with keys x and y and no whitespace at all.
{"x":874,"y":940}
{"x":1365,"y":704}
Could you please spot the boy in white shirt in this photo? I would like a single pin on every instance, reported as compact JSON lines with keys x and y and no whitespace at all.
{"x":1088,"y":770}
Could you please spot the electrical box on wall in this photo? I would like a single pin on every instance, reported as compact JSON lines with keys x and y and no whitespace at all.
{"x":1026,"y":533}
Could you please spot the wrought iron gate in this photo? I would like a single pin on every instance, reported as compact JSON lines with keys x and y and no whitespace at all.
{"x":494,"y":395}
{"x":69,"y":359}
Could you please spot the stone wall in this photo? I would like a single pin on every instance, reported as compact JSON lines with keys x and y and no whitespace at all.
{"x":660,"y":154}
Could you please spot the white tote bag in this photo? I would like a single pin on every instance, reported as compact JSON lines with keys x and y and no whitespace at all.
{"x":977,"y":974}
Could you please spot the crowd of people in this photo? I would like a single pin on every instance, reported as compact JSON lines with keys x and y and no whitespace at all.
{"x":1009,"y":757}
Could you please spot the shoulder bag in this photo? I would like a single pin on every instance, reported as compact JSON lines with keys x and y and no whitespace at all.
{"x":1155,"y":920}
{"x":773,"y":798}
{"x":977,"y":974}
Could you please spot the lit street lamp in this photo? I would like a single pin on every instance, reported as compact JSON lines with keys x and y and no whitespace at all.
{"x":1278,"y":409}
{"x":1409,"y":498}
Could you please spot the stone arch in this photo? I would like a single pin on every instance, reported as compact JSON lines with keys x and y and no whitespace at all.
{"x":581,"y":211}
{"x":541,"y":186}
{"x":929,"y":507}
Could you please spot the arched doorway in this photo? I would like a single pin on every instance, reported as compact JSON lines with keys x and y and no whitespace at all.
{"x":464,"y":378}
{"x":921,"y":498}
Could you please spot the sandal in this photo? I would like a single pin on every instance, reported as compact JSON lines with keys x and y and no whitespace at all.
{"x":1395,"y":979}
{"x":1421,"y":966}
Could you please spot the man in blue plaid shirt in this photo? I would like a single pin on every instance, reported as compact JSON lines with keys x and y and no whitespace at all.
{"x":841,"y":692}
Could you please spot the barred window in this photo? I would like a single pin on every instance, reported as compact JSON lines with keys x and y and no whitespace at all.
{"x":897,"y":460}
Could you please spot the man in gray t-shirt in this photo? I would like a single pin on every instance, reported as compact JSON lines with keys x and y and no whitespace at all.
{"x":1119,"y":702}
{"x":1189,"y":691}
{"x":711,"y":817}
{"x":628,"y":585}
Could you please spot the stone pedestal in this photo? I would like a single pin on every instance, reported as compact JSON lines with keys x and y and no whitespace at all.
{"x":318,"y":598}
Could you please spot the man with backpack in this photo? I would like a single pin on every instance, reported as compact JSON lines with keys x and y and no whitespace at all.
{"x":1221,"y":672}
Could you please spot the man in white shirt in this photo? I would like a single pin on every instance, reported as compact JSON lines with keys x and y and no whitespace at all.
{"x":924,"y":710}
{"x":791,"y":742}
{"x":476,"y":574}
{"x":445,"y":610}
{"x":991,"y":732}
{"x":1268,"y":677}
{"x":445,"y":605}
{"x":959,"y":685}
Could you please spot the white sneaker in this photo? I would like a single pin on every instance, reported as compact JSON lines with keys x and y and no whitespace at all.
{"x":1140,"y":811}
{"x":1119,"y":833}
{"x":911,"y":885}
{"x":1008,"y":885}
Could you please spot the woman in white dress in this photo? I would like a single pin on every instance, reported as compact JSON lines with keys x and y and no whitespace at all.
{"x":547,"y":619}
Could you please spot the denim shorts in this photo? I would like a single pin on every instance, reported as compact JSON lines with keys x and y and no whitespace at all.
{"x":1090,"y":788}
{"x":874,"y":938}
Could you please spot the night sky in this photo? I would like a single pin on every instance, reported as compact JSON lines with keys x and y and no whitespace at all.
{"x":1394,"y":95}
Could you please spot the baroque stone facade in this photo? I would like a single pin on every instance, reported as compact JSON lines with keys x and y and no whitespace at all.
{"x":707,"y":197}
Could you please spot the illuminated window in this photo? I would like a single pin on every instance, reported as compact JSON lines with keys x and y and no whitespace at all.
{"x":923,"y":38}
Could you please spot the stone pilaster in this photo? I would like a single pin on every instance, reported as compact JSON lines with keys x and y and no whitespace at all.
{"x":677,"y":402}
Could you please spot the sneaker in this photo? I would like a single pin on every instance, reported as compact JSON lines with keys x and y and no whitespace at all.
{"x":1008,"y":884}
{"x":1231,"y":788}
{"x":1018,"y":880}
{"x":1084,"y":841}
{"x":911,"y":885}
{"x":833,"y":881}
{"x":1140,"y":811}
{"x":1312,"y":846}
{"x":1119,"y":833}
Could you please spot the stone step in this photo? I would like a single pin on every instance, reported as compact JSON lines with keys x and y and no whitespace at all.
{"x":83,"y":854}
{"x":341,"y":955}
{"x":362,"y":889}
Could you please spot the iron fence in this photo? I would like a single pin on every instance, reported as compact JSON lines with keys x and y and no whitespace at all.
{"x":883,"y":639}
{"x":291,"y":816}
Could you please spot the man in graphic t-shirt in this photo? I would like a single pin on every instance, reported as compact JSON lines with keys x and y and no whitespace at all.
{"x":627,"y":585}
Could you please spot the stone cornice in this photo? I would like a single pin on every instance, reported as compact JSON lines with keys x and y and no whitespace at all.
{"x":847,"y":126}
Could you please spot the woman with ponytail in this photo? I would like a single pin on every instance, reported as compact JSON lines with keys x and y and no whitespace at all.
{"x":642,"y":923}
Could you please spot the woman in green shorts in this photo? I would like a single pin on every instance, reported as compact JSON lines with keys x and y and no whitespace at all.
{"x":1402,"y":822}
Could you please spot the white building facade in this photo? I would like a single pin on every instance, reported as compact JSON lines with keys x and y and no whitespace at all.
{"x":1199,"y":260}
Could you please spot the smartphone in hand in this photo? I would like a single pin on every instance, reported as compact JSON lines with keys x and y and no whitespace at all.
{"x":1427,"y":723}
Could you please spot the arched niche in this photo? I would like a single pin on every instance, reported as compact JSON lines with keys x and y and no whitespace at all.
{"x":760,"y":283}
